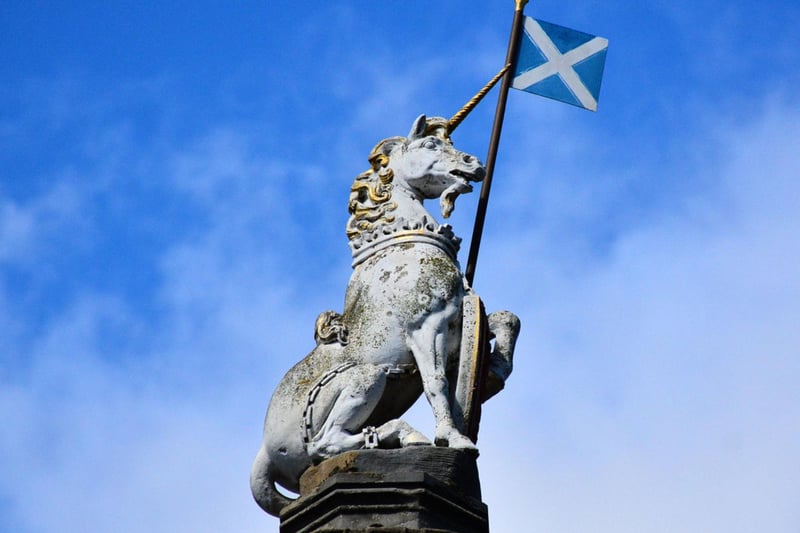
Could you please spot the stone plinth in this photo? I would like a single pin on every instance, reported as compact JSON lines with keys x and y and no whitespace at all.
{"x":418,"y":489}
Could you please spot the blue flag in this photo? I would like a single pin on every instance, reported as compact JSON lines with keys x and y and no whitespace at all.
{"x":560,"y":63}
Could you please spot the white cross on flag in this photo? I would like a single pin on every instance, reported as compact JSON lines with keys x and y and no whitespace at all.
{"x":560,"y":63}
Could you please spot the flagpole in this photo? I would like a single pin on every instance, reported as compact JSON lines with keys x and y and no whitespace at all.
{"x":494,"y":141}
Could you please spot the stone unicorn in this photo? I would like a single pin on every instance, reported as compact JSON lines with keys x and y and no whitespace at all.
{"x":401,"y":326}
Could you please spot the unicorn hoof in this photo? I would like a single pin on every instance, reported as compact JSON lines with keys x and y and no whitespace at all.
{"x":454,"y":439}
{"x":416,"y":439}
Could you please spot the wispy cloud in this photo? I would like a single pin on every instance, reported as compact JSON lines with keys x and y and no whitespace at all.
{"x":161,"y":266}
{"x":664,"y":374}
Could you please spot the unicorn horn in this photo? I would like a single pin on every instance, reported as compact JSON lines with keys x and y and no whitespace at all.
{"x":459,"y":117}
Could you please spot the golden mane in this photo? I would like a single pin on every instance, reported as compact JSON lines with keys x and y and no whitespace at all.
{"x":371,"y":193}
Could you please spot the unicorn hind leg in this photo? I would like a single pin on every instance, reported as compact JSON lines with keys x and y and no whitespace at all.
{"x":338,"y":410}
{"x":354,"y":394}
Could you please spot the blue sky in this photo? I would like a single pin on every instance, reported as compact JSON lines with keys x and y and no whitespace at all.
{"x":173,"y":189}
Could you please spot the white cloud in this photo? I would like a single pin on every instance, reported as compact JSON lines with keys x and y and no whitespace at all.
{"x":655,"y":386}
{"x":16,"y":228}
{"x":116,"y":421}
{"x":25,"y":225}
{"x":661,"y":388}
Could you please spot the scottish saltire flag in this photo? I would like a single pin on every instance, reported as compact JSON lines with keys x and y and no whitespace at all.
{"x":560,"y":63}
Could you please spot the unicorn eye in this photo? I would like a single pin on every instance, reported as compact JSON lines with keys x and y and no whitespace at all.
{"x":430,"y":144}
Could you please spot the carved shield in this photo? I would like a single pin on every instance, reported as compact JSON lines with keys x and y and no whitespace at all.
{"x":472,"y":367}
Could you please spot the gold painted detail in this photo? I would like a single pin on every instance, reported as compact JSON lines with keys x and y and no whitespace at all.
{"x":370,"y":195}
{"x":459,"y":117}
{"x":372,"y":226}
{"x":521,"y":4}
{"x":439,"y":127}
{"x":330,"y":328}
{"x":423,"y":232}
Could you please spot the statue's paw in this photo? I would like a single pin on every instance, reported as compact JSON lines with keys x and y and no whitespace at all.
{"x":505,"y":327}
{"x":461,"y":442}
{"x":454,"y":439}
{"x":415,"y":438}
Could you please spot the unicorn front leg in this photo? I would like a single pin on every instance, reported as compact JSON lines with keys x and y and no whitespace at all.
{"x":428,"y":344}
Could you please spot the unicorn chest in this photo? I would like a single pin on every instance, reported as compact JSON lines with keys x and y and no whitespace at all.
{"x":405,"y":272}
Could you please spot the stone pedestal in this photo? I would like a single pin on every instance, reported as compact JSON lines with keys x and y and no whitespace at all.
{"x":418,"y":489}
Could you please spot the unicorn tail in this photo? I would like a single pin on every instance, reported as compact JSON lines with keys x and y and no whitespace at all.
{"x":262,"y":485}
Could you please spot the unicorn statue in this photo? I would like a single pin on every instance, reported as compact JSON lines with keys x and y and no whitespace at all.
{"x":400,"y":334}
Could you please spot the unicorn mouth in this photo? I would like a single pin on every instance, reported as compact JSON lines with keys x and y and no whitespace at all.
{"x":476,"y":175}
{"x":460,"y":186}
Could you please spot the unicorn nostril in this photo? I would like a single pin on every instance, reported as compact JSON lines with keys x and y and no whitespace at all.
{"x":468,"y":158}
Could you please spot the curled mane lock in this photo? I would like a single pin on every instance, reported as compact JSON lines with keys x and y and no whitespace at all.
{"x":330,"y":328}
{"x":371,"y":192}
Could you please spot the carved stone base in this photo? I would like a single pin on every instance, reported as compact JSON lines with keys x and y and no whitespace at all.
{"x":418,"y":489}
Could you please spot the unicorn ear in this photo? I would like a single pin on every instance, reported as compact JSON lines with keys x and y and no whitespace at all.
{"x":418,"y":129}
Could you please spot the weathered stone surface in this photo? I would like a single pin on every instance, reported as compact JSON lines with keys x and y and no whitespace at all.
{"x":472,"y":367}
{"x":421,"y":489}
{"x":454,"y":468}
{"x":400,"y":332}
